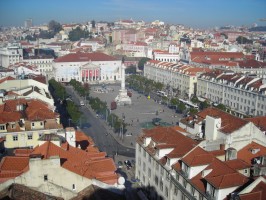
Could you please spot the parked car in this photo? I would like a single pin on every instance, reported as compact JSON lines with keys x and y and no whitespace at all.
{"x":82,"y":103}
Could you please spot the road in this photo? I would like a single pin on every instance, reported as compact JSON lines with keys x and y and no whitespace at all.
{"x":93,"y":127}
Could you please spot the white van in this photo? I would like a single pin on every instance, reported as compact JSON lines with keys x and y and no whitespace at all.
{"x":82,"y":103}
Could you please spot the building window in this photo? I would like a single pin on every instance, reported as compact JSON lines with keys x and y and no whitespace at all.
{"x":13,"y":126}
{"x":15,"y":138}
{"x":32,"y":124}
{"x":177,"y":176}
{"x":41,"y":123}
{"x":2,"y":127}
{"x":245,"y":171}
{"x":156,"y":180}
{"x":45,"y":177}
{"x":149,"y":172}
{"x":162,"y":171}
{"x":166,"y":191}
{"x":144,"y":167}
{"x":40,"y":135}
{"x":149,"y":159}
{"x":161,"y":185}
{"x":29,"y":136}
{"x":175,"y":191}
{"x":73,"y":187}
{"x":157,"y":166}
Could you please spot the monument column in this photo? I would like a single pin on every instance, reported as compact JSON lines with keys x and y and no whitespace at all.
{"x":122,"y":98}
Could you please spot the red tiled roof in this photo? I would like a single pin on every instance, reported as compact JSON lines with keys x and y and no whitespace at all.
{"x":23,"y":152}
{"x":260,"y":122}
{"x":11,"y":167}
{"x":227,"y":180}
{"x":168,"y":137}
{"x":6,"y":79}
{"x":81,"y":162}
{"x":252,"y":196}
{"x":247,"y":154}
{"x":258,"y":193}
{"x":237,"y":164}
{"x":85,"y":57}
{"x":197,"y":157}
{"x":229,"y":124}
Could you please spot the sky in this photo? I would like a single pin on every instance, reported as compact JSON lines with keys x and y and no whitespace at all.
{"x":192,"y":13}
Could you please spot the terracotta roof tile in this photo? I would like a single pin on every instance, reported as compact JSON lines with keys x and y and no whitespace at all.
{"x":198,"y":157}
{"x":14,"y":164}
{"x":229,"y":124}
{"x":260,"y":122}
{"x":237,"y":164}
{"x":258,"y":193}
{"x":81,"y":162}
{"x":251,"y":151}
{"x":6,"y":79}
{"x":252,"y":196}
{"x":227,"y":180}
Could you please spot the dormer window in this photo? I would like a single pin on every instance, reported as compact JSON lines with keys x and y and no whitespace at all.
{"x":2,"y":127}
{"x":13,"y":126}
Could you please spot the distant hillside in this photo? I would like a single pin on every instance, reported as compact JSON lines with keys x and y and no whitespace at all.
{"x":258,"y":28}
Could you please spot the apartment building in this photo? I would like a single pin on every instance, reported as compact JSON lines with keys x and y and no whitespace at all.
{"x":135,"y":49}
{"x":179,"y":76}
{"x":59,"y":168}
{"x":245,"y":95}
{"x":24,"y":121}
{"x":173,"y":164}
{"x":218,"y":128}
{"x":10,"y":55}
{"x":44,"y":63}
{"x":28,"y":86}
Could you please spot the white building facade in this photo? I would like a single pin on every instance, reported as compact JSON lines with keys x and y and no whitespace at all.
{"x":179,"y":76}
{"x":244,"y":95}
{"x":87,"y":67}
{"x":10,"y":55}
{"x":44,"y":65}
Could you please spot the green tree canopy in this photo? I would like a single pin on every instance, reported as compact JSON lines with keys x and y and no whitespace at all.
{"x":243,"y":40}
{"x":221,"y":107}
{"x":181,"y":107}
{"x":204,"y":105}
{"x":142,"y":62}
{"x":54,"y":26}
{"x":77,"y":33}
{"x":130,"y":70}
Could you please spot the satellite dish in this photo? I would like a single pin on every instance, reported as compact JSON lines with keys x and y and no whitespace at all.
{"x":121,"y":180}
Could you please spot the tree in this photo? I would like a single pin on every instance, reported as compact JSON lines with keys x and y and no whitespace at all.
{"x":54,"y":26}
{"x":142,"y":62}
{"x":130,"y":70}
{"x":195,"y":99}
{"x":225,"y":36}
{"x":77,"y":33}
{"x":193,"y":111}
{"x":204,"y":105}
{"x":243,"y":40}
{"x":93,"y":23}
{"x":221,"y":107}
{"x":181,"y":107}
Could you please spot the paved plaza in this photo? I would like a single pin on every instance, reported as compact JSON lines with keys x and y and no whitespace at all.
{"x":138,"y":115}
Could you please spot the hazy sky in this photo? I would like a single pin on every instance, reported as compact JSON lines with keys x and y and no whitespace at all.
{"x":195,"y":13}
